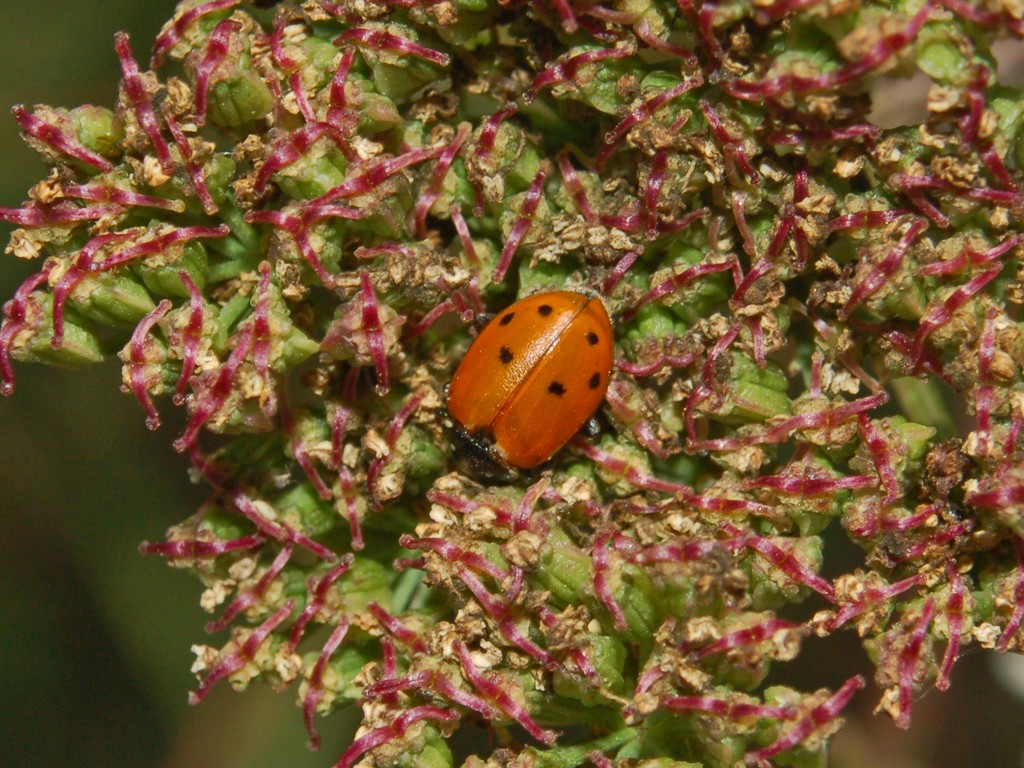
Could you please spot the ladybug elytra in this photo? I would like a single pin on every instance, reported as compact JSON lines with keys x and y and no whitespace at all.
{"x":535,"y":374}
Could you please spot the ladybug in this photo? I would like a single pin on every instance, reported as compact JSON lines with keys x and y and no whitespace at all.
{"x":535,"y":374}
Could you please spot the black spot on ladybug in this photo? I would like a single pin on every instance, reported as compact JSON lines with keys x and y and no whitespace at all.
{"x":595,"y":381}
{"x":556,"y":388}
{"x":592,"y":338}
{"x":505,"y":355}
{"x":544,"y":310}
{"x":506,"y":318}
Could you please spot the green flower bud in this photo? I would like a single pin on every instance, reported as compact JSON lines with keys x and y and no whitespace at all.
{"x":111,"y":298}
{"x":471,"y":29}
{"x":232,"y":311}
{"x":398,"y":74}
{"x":219,"y":172}
{"x":341,"y":680}
{"x":304,"y":510}
{"x":508,"y":168}
{"x":425,"y":749}
{"x":597,"y":83}
{"x":98,"y":130}
{"x":377,"y":112}
{"x":770,"y":587}
{"x":239,"y":100}
{"x":315,"y":173}
{"x":367,"y":581}
{"x":564,"y":569}
{"x":940,"y":54}
{"x":654,"y":322}
{"x":81,"y":345}
{"x":637,"y":597}
{"x":424,"y":461}
{"x":161,"y":275}
{"x":608,"y":655}
{"x":620,"y":741}
{"x":320,"y":58}
{"x":752,"y":393}
{"x":289,"y":345}
{"x":698,"y":298}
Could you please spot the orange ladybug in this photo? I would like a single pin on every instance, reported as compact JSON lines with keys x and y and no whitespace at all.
{"x":535,"y":374}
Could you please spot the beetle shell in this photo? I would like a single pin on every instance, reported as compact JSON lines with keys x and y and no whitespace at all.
{"x":533,"y":377}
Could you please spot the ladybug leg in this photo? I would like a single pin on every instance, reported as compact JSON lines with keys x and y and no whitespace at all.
{"x":474,"y":456}
{"x":480,"y":321}
{"x":591,"y":427}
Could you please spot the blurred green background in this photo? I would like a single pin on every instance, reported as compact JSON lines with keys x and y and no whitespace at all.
{"x":95,"y":638}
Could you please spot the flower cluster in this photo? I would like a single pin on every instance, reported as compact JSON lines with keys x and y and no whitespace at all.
{"x":293,"y":222}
